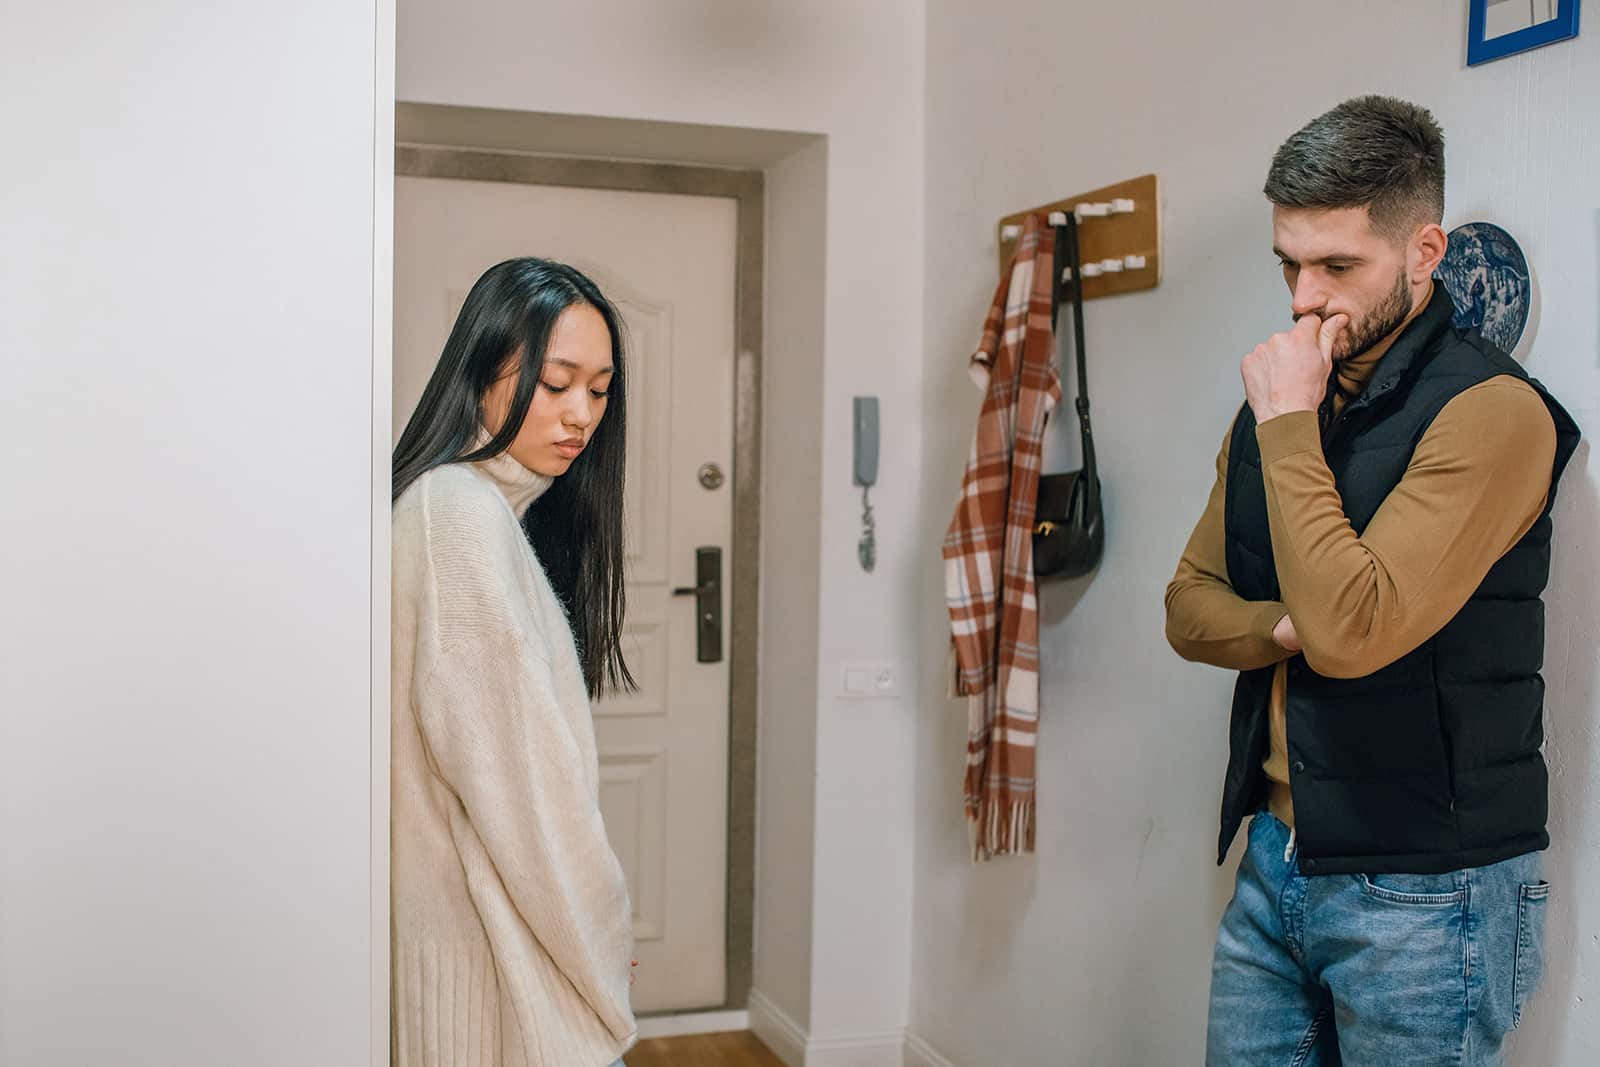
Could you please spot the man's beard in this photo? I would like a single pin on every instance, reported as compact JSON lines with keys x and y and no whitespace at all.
{"x":1375,"y":325}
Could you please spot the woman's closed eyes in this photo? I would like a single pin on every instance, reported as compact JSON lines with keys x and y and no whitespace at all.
{"x":598,"y":394}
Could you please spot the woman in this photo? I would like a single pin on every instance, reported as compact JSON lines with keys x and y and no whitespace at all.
{"x":511,"y":921}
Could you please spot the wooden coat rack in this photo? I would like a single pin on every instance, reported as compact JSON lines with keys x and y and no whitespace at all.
{"x":1121,"y":249}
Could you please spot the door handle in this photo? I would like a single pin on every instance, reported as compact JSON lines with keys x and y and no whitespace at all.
{"x":708,"y":604}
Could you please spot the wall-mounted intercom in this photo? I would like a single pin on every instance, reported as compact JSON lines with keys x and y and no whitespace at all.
{"x":865,"y":436}
{"x":866,"y":440}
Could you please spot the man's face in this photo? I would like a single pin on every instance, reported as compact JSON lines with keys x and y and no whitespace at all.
{"x":1334,"y":263}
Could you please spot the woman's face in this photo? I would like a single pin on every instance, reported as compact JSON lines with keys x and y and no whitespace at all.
{"x":570,"y":400}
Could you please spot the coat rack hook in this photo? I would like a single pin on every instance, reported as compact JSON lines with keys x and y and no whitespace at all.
{"x":1120,"y":236}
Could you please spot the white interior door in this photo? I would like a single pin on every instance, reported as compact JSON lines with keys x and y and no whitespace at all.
{"x":667,"y":261}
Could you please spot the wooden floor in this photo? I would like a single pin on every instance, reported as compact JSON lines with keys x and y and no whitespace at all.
{"x":703,"y":1050}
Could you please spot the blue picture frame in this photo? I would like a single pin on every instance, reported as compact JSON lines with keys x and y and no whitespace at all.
{"x":1479,"y":50}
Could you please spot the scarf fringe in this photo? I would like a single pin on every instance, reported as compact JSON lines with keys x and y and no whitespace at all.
{"x":1000,"y":826}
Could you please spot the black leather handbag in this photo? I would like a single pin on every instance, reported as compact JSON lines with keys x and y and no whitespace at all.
{"x":1069,"y":533}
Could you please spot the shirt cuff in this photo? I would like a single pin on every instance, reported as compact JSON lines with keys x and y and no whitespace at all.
{"x":1270,"y":613}
{"x":1287,"y":435}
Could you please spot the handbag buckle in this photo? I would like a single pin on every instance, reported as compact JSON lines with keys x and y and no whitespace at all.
{"x":1045,"y":528}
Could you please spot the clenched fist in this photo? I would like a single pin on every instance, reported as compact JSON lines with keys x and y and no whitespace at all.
{"x":1290,"y":371}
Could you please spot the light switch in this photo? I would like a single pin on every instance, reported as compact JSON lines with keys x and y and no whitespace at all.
{"x":869,"y":681}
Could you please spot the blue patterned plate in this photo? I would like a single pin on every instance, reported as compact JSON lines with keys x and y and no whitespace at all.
{"x":1486,"y":275}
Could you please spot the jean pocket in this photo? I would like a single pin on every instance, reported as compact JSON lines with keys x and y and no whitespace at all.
{"x":1532,"y":902}
{"x":1420,"y":890}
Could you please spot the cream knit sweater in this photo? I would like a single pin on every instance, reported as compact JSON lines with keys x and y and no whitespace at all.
{"x":511,"y":921}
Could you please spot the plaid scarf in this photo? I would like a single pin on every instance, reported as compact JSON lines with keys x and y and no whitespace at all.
{"x":988,"y":551}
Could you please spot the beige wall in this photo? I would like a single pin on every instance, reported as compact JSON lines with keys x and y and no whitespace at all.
{"x":791,"y":559}
{"x":1101,"y":943}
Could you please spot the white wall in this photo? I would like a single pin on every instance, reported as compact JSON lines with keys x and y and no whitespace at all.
{"x":187,"y":282}
{"x":854,"y":74}
{"x":1097,"y":950}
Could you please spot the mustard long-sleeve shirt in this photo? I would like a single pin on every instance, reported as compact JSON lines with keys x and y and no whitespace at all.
{"x":1476,"y":484}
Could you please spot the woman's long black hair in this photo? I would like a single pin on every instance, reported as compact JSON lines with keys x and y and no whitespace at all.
{"x":576,"y":526}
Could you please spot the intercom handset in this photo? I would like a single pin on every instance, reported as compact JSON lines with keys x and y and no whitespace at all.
{"x":866,"y":440}
{"x":865,"y":434}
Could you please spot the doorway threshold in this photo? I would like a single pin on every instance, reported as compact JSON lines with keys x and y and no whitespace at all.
{"x":684,"y":1024}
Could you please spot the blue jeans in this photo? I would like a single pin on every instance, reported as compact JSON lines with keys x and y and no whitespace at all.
{"x":1413,"y":969}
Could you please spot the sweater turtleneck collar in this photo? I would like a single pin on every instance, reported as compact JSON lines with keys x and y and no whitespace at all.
{"x":1354,"y":373}
{"x":519,"y":485}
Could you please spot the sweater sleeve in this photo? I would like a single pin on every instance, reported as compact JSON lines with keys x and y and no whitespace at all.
{"x":489,"y":715}
{"x":1477,"y":482}
{"x":1207,"y":622}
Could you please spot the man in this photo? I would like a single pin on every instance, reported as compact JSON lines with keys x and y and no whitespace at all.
{"x":1371,"y":562}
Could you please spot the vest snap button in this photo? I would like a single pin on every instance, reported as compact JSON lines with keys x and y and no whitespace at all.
{"x":1299,"y":767}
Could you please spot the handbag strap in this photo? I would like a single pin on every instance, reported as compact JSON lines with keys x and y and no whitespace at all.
{"x":1067,"y":241}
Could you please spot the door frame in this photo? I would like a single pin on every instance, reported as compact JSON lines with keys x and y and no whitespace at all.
{"x":747,"y":189}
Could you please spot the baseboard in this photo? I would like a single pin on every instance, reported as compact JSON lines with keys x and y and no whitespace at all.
{"x":921,"y":1054}
{"x":790,"y":1043}
{"x":884,"y":1049}
{"x":693,"y":1022}
{"x":777,"y":1030}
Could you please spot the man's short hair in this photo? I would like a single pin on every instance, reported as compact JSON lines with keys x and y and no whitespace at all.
{"x":1376,"y":152}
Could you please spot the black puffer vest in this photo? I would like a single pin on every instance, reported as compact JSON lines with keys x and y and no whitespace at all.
{"x":1431,"y":764}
